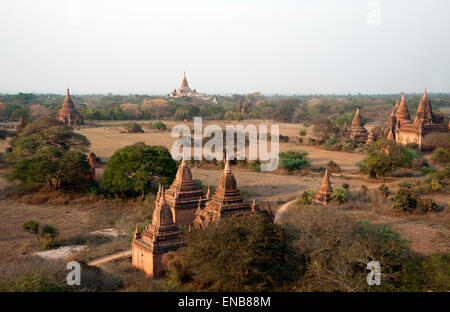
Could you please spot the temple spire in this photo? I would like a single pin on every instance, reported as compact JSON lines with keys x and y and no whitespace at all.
{"x":402,"y":113}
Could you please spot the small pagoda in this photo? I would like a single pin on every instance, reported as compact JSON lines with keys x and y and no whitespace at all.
{"x":357,"y":130}
{"x":157,"y":239}
{"x":68,"y":114}
{"x":323,"y":196}
{"x":183,"y":196}
{"x":225,"y":202}
{"x":371,"y":138}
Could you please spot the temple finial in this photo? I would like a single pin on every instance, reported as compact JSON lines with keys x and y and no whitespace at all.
{"x":227,"y":165}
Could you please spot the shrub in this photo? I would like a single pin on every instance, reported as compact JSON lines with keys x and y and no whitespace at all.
{"x":345,"y":186}
{"x":48,"y":236}
{"x":253,"y":253}
{"x":306,"y":198}
{"x":133,"y":127}
{"x":384,"y":189}
{"x":333,"y":167}
{"x":182,"y":113}
{"x":229,"y":115}
{"x":330,"y":141}
{"x":403,"y":200}
{"x":255,"y":165}
{"x":428,"y":205}
{"x":294,"y":160}
{"x":302,"y":132}
{"x":427,"y":170}
{"x":339,"y":195}
{"x":441,"y":155}
{"x":159,"y":125}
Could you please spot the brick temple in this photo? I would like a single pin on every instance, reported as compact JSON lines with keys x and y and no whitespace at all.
{"x":323,"y":196}
{"x":425,"y":129}
{"x":225,"y":202}
{"x":68,"y":114}
{"x":158,"y":238}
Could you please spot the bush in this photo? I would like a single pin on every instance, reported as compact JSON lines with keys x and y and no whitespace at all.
{"x":333,"y":167}
{"x":245,"y":253}
{"x":182,"y":113}
{"x":428,"y":205}
{"x":403,"y":200}
{"x":306,"y":198}
{"x":441,"y":155}
{"x":48,"y":236}
{"x":159,"y":125}
{"x":294,"y":160}
{"x":133,"y":127}
{"x":384,"y":189}
{"x":255,"y":165}
{"x":339,"y":195}
{"x":427,"y":170}
{"x":302,"y":132}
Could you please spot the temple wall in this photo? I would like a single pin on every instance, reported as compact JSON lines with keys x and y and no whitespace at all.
{"x":408,"y":137}
{"x":146,"y":261}
{"x":184,"y":216}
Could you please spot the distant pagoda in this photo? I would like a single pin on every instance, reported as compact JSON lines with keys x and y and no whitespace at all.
{"x":371,"y":138}
{"x":225,"y":202}
{"x":323,"y":196}
{"x":68,"y":114}
{"x":183,"y":196}
{"x":157,"y":239}
{"x":357,"y":130}
{"x":185,"y":90}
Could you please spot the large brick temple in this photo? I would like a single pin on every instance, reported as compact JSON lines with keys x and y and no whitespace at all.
{"x":426,"y":129}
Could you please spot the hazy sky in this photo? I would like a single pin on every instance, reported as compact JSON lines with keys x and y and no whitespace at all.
{"x":303,"y":46}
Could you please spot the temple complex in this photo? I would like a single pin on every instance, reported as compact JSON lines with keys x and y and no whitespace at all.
{"x":158,"y":238}
{"x":357,"y":130}
{"x":68,"y":114}
{"x":185,"y":90}
{"x":323,"y":196}
{"x":184,"y":195}
{"x":225,"y":202}
{"x":425,"y":130}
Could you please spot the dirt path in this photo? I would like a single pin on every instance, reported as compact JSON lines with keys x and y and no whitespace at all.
{"x":282,"y":209}
{"x":114,"y":256}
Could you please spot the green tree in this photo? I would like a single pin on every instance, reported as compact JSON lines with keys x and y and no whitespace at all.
{"x":294,"y":160}
{"x":134,"y":168}
{"x":133,"y":127}
{"x":384,"y":157}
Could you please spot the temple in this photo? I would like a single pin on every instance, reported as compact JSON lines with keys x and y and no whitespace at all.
{"x":357,"y":130}
{"x":225,"y":202}
{"x":157,"y":239}
{"x":425,"y":130}
{"x":371,"y":138}
{"x":323,"y":196}
{"x":183,"y":196}
{"x":68,"y":114}
{"x":185,"y":90}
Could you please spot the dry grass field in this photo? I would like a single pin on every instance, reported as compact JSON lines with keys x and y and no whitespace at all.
{"x":76,"y":216}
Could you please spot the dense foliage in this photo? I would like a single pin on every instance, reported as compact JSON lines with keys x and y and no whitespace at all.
{"x":135,"y":168}
{"x":47,"y":152}
{"x":248,"y":253}
{"x":294,"y":160}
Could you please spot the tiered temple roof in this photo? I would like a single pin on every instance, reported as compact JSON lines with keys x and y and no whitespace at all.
{"x":68,"y":114}
{"x":161,"y":235}
{"x":402,"y":114}
{"x":357,"y":130}
{"x":424,"y":111}
{"x":225,"y":202}
{"x":183,"y":196}
{"x":323,"y":196}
